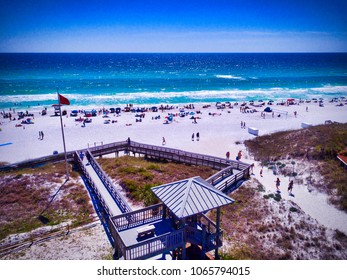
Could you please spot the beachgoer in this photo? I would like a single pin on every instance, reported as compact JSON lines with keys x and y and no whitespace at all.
{"x":244,"y":124}
{"x":295,"y":113}
{"x":81,"y":155}
{"x":251,"y":168}
{"x":239,"y":155}
{"x":42,"y":135}
{"x":261,"y":172}
{"x":278,"y":183}
{"x":290,"y":186}
{"x":241,"y":124}
{"x":306,"y":109}
{"x":193,"y":137}
{"x":198,"y":136}
{"x":228,"y":155}
{"x":164,"y":141}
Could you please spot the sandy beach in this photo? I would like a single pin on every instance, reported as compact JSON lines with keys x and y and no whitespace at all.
{"x":219,"y":130}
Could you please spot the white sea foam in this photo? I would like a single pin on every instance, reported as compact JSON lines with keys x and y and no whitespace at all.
{"x":181,"y":97}
{"x":231,"y":77}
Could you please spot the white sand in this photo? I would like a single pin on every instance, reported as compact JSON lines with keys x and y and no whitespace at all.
{"x":218,"y":135}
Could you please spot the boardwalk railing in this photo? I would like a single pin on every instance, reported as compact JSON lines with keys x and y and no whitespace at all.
{"x":155,"y":246}
{"x":218,"y":180}
{"x":139,"y":217}
{"x":92,"y":184}
{"x":178,"y":155}
{"x":145,"y":149}
{"x":118,"y":198}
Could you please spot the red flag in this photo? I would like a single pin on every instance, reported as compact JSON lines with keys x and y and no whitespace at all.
{"x":63,"y":100}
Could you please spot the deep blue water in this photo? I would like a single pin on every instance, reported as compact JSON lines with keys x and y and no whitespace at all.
{"x":113,"y":79}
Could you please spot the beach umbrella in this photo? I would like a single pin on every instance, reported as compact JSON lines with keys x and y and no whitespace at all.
{"x":192,"y":113}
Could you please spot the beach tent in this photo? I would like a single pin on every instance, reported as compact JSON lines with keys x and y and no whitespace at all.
{"x":74,"y":113}
{"x":290,"y":101}
{"x":90,"y":113}
{"x":118,"y":110}
{"x":268,"y":110}
{"x":112,"y":110}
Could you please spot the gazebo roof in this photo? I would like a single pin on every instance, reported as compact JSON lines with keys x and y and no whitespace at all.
{"x":190,"y":196}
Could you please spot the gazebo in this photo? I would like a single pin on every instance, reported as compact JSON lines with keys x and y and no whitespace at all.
{"x":188,"y":200}
{"x":170,"y":225}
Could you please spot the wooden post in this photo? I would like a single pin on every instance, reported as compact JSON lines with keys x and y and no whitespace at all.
{"x":184,"y":240}
{"x":203,"y":241}
{"x":164,"y":212}
{"x":217,"y":233}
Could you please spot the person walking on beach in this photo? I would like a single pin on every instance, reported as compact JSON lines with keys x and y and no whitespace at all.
{"x":164,"y":141}
{"x":198,"y":136}
{"x":193,"y":137}
{"x":278,"y":183}
{"x":290,"y":187}
{"x":261,"y":172}
{"x":228,"y":155}
{"x":42,"y":135}
{"x":251,"y":169}
{"x":241,"y":124}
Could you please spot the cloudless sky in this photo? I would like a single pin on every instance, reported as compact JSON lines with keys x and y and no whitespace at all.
{"x":173,"y":26}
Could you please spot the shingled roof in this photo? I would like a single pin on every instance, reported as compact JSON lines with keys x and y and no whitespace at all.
{"x":190,"y":196}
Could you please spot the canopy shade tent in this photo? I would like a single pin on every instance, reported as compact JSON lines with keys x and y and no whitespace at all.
{"x":190,"y":196}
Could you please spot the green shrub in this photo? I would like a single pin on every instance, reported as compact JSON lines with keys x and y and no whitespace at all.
{"x":293,"y":209}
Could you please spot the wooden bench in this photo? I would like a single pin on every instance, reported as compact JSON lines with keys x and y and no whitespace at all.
{"x":144,"y":231}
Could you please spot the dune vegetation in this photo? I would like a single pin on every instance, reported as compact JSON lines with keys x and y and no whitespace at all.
{"x":318,"y":146}
{"x":138,"y":175}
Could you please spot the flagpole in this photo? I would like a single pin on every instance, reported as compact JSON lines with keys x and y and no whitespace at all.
{"x":62,"y":132}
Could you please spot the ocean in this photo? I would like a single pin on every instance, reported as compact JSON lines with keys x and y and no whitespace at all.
{"x":111,"y":79}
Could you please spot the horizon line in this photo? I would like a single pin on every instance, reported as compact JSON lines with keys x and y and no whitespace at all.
{"x":160,"y":52}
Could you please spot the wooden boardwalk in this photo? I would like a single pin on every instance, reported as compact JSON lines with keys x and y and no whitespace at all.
{"x":123,"y":222}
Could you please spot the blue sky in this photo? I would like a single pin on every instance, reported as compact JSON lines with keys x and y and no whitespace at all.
{"x":173,"y":26}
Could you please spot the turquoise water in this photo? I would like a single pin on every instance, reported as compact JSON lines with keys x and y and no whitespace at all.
{"x":116,"y":79}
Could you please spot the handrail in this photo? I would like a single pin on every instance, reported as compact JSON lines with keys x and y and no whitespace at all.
{"x":92,"y":185}
{"x":138,"y":217}
{"x":122,"y":204}
{"x":155,"y":245}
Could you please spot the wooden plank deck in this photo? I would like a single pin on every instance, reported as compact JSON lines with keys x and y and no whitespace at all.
{"x":100,"y":188}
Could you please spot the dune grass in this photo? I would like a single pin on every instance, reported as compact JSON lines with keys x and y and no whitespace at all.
{"x":138,"y":175}
{"x":26,"y":194}
{"x":319,"y":144}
